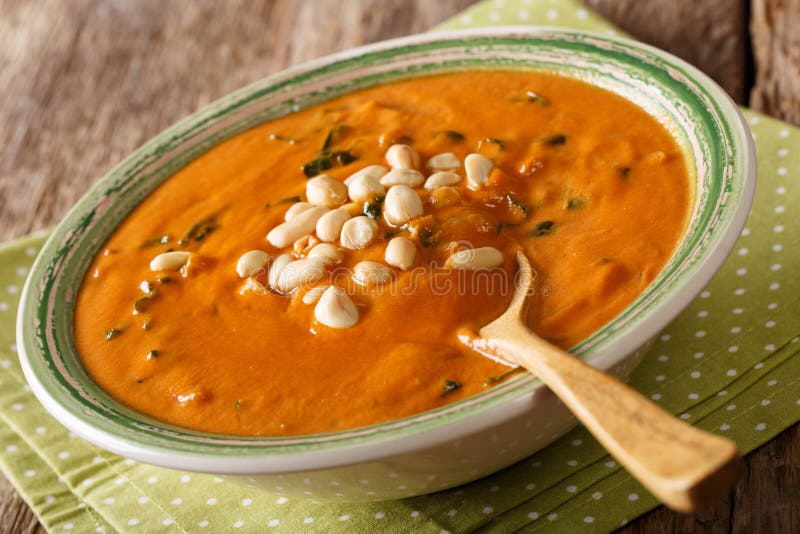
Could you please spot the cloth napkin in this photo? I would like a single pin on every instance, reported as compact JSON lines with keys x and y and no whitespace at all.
{"x":728,"y":364}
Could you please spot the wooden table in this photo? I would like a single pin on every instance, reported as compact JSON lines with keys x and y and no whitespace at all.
{"x":83,"y":82}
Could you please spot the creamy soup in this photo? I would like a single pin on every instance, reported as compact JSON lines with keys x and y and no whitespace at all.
{"x":311,"y":274}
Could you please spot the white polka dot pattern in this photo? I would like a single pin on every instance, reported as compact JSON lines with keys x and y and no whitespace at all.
{"x":728,"y":364}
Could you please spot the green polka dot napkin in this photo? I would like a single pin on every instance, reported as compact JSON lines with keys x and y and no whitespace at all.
{"x":729,"y":364}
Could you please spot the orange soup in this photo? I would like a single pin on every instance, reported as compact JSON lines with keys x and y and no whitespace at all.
{"x":311,"y":274}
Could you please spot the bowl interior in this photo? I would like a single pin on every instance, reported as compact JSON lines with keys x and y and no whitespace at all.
{"x":694,"y":109}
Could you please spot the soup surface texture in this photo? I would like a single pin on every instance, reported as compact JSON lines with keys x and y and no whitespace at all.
{"x":593,"y":189}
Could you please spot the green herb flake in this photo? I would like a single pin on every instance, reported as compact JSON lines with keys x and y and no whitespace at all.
{"x":623,"y":172}
{"x":200,"y":230}
{"x":146,"y":324}
{"x":492,"y":140}
{"x":427,"y":237}
{"x":111,"y":333}
{"x":452,"y":134}
{"x":140,"y":380}
{"x":140,"y":304}
{"x":237,"y":405}
{"x":344,"y":157}
{"x":449,"y":387}
{"x":287,"y":200}
{"x":554,"y":139}
{"x":575,"y":203}
{"x":372,"y":207}
{"x":164,"y":279}
{"x":372,"y":210}
{"x":502,"y":376}
{"x":326,"y":144}
{"x":518,"y":204}
{"x":326,"y":158}
{"x":313,"y":168}
{"x":153,"y":241}
{"x":329,"y":138}
{"x":543,"y":228}
{"x":152,"y":355}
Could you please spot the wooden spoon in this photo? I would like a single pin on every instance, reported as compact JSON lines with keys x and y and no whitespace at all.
{"x":685,"y":467}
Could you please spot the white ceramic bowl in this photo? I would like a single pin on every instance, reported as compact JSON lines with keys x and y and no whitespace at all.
{"x":453,"y":444}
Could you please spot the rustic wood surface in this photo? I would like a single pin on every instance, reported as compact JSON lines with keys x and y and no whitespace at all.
{"x":775,"y":26}
{"x":83,"y":82}
{"x":711,"y":34}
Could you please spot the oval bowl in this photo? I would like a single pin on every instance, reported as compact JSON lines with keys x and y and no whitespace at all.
{"x":459,"y":442}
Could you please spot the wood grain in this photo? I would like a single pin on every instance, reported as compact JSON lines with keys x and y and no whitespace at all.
{"x":775,"y":27}
{"x":710,"y":34}
{"x":83,"y":82}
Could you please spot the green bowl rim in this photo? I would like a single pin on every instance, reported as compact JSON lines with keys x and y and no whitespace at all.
{"x":181,"y":448}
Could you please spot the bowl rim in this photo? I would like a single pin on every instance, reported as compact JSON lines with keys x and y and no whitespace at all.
{"x":358,"y":451}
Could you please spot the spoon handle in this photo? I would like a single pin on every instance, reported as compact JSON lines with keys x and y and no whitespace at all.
{"x":683,"y":466}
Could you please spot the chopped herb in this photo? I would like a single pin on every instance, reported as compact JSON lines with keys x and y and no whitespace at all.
{"x":452,"y":134}
{"x":333,"y":132}
{"x":554,"y":139}
{"x":200,"y":230}
{"x":492,"y":140}
{"x":152,"y":355}
{"x":449,"y":387}
{"x":343,"y":157}
{"x":543,"y":228}
{"x":390,"y":234}
{"x":623,"y":172}
{"x":164,"y":279}
{"x":575,"y":203}
{"x":146,"y":324}
{"x":140,"y":304}
{"x":516,"y":203}
{"x":158,"y":240}
{"x":501,"y":226}
{"x":287,"y":200}
{"x":502,"y":376}
{"x":426,"y":237}
{"x":313,"y":168}
{"x":111,"y":333}
{"x":140,"y":380}
{"x":372,"y":210}
{"x":326,"y":144}
{"x":325,"y":158}
{"x":237,"y":405}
